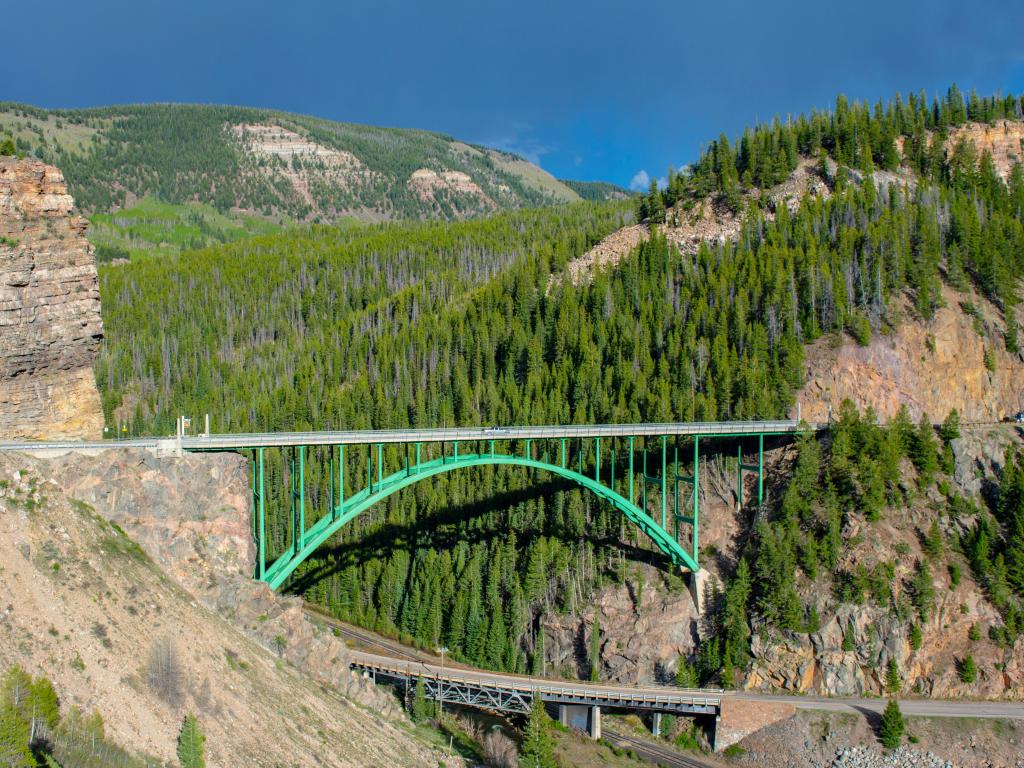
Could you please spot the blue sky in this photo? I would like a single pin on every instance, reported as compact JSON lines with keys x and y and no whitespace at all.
{"x":591,"y":90}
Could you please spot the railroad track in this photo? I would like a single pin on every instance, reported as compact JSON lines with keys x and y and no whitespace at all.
{"x":393,"y":648}
{"x":653,"y":752}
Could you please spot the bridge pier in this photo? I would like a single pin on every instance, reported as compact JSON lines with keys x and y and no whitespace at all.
{"x":582,"y":717}
{"x":697,"y":584}
{"x":656,"y":724}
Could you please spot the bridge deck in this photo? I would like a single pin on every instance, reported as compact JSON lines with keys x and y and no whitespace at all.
{"x":492,"y":690}
{"x":468,"y":434}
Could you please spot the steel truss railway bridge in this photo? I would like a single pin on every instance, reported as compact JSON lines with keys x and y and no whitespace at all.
{"x":578,"y":704}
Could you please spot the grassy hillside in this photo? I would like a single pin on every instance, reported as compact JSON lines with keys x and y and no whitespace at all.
{"x":151,"y":228}
{"x":276,"y":165}
{"x":469,"y":326}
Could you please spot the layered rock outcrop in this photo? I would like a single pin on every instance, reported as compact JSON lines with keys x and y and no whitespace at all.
{"x":50,"y":326}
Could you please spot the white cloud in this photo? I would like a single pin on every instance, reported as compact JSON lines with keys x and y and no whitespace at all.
{"x":640,"y":181}
{"x":519,"y":140}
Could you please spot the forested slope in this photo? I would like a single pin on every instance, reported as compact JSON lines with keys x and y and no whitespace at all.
{"x":337,"y":329}
{"x":273,"y":164}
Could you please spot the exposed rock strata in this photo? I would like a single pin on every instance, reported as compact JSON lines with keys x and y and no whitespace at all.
{"x":50,"y":325}
{"x":929,"y":367}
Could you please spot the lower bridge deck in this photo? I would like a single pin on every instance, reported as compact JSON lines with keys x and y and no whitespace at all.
{"x":514,"y":694}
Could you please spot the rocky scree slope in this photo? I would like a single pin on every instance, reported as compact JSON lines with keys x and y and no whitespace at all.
{"x":50,"y":325}
{"x":87,"y":607}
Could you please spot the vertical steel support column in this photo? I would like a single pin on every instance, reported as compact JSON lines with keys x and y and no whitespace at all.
{"x":262,"y":518}
{"x":369,"y":467}
{"x":664,"y":479}
{"x":330,"y":478}
{"x":631,"y":470}
{"x":492,"y":447}
{"x":380,"y":465}
{"x":643,"y":486}
{"x":418,"y":457}
{"x":302,"y":496}
{"x":527,"y":454}
{"x":564,"y":458}
{"x":696,"y":492}
{"x":580,"y":456}
{"x":739,"y":475}
{"x":760,"y":469}
{"x":294,"y":504}
{"x":597,"y":459}
{"x":341,"y":476}
{"x":456,"y":444}
{"x":613,"y":470}
{"x":675,"y":486}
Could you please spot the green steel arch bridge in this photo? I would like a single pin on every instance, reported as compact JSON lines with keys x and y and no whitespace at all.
{"x":637,"y":468}
{"x":622,"y":464}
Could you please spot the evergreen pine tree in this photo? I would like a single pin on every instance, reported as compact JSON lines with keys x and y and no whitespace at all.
{"x":916,"y":638}
{"x":420,"y":704}
{"x":595,"y":651}
{"x":14,"y":740}
{"x":968,"y":669}
{"x":191,"y":744}
{"x":925,"y":454}
{"x":893,"y":725}
{"x":538,"y":748}
{"x":893,"y":683}
{"x":933,"y":540}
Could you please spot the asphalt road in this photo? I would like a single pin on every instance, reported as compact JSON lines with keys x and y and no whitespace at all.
{"x":918,"y":707}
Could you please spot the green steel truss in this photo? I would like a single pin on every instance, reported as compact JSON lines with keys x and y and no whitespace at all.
{"x":305,"y":541}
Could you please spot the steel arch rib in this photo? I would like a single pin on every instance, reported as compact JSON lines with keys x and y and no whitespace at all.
{"x":277,"y":573}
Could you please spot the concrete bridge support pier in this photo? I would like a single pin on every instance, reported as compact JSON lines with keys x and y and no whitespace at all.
{"x":656,"y":724}
{"x":582,"y":717}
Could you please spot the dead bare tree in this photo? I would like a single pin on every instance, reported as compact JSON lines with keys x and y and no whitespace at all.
{"x":163,"y":671}
{"x":499,"y":750}
{"x":718,"y":479}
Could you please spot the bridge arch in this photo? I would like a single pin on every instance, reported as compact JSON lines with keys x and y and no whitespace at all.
{"x":305,"y":543}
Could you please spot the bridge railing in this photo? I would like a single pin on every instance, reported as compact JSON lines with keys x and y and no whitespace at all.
{"x":469,"y":434}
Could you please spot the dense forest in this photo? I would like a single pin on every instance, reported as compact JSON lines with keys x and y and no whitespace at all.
{"x":433,"y":325}
{"x":180,"y":153}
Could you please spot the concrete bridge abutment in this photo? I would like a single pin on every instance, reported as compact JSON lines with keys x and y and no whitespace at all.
{"x":582,"y":717}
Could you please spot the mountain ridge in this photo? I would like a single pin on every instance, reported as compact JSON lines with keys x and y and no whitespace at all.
{"x":272,"y":163}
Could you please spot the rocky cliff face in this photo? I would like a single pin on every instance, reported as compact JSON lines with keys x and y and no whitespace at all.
{"x":50,"y":325}
{"x":643,"y":632}
{"x":930,"y":367}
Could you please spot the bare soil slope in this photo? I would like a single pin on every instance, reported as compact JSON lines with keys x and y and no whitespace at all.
{"x":83,"y":605}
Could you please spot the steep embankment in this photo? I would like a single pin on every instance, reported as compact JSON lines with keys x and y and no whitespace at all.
{"x":273,"y":164}
{"x":85,"y":606}
{"x":49,"y":308}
